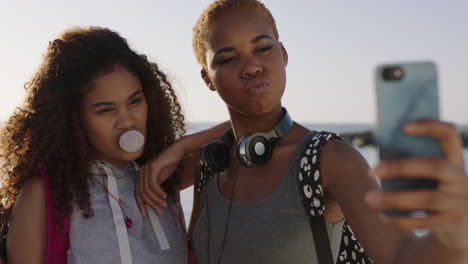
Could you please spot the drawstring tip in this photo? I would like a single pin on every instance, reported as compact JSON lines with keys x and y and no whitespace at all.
{"x":128,"y":222}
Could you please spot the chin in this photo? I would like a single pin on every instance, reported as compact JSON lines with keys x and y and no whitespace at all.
{"x":119,"y":155}
{"x":132,"y":156}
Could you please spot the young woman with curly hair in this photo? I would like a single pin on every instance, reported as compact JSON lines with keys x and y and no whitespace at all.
{"x":67,"y":170}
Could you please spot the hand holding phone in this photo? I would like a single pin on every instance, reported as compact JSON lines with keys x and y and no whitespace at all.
{"x":406,"y":92}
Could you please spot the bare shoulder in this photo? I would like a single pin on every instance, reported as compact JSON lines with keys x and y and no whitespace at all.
{"x":31,"y":196}
{"x":341,"y":163}
{"x":27,"y":229}
{"x":33,"y":186}
{"x":340,"y":150}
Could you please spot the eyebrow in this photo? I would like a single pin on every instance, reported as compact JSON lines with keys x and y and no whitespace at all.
{"x":253,"y":41}
{"x":226,"y":49}
{"x":257,"y":39}
{"x":133,"y":95}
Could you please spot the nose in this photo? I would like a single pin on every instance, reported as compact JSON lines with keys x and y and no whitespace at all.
{"x":251,"y":68}
{"x":126,"y":120}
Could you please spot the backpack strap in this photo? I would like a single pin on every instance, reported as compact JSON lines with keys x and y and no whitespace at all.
{"x":351,"y":250}
{"x":311,"y":192}
{"x":205,"y":173}
{"x":312,"y":197}
{"x":57,"y":235}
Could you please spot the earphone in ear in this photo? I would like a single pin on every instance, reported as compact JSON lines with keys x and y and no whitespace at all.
{"x":253,"y":149}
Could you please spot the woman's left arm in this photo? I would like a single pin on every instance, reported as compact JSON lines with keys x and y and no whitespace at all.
{"x":352,"y":183}
{"x":448,"y":220}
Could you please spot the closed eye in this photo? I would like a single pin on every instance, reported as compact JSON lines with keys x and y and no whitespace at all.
{"x":227,"y":60}
{"x":135,"y":100}
{"x":266,"y":48}
{"x":106,"y":110}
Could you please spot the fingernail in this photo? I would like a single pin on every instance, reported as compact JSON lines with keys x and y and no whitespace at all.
{"x":159,"y":211}
{"x":164,"y":204}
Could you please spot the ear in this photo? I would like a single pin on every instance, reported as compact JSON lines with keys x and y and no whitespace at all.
{"x":285,"y":54}
{"x":207,"y":80}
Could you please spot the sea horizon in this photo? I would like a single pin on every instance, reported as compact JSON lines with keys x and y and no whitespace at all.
{"x":335,"y":127}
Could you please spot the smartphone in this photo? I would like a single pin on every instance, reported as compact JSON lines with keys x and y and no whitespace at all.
{"x":406,"y":92}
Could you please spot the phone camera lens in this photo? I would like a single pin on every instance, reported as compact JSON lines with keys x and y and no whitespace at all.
{"x":393,"y":73}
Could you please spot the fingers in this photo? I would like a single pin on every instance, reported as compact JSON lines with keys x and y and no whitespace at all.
{"x":416,"y":200}
{"x":139,"y":195}
{"x":148,"y":191}
{"x":447,"y":135}
{"x":451,"y":178}
{"x":418,"y":167}
{"x":153,"y":173}
{"x":151,"y":191}
{"x":445,"y":209}
{"x":431,"y":222}
{"x":447,"y":204}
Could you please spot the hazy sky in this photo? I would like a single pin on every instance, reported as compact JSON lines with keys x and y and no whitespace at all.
{"x":333,"y":48}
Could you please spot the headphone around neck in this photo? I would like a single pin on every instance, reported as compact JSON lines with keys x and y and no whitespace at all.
{"x":253,"y":149}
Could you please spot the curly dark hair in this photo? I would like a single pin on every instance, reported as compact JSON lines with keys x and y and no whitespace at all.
{"x":47,"y":133}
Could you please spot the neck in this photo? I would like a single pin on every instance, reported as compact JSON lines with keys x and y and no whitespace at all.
{"x":243,"y":125}
{"x":117,"y":163}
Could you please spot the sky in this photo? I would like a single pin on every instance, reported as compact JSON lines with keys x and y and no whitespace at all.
{"x":333,"y":48}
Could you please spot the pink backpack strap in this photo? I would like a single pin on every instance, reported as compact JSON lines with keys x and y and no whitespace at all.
{"x":57,"y":238}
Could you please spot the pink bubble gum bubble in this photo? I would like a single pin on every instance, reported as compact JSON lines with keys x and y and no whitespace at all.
{"x":132,"y":141}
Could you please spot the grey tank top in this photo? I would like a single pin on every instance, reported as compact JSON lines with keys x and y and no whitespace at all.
{"x":273,"y":230}
{"x":94,"y":240}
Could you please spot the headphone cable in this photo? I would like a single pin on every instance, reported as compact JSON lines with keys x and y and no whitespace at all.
{"x":229,"y":214}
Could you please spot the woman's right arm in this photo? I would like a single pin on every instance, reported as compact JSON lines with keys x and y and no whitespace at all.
{"x":27,"y":231}
{"x":186,"y":150}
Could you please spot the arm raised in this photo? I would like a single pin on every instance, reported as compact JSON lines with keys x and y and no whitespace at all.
{"x":184,"y":151}
{"x":391,"y":240}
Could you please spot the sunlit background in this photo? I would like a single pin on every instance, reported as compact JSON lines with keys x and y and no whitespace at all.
{"x":333,"y":48}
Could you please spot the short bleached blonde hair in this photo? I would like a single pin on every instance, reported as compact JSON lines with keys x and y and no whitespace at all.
{"x":204,"y":24}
